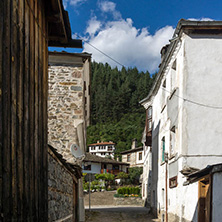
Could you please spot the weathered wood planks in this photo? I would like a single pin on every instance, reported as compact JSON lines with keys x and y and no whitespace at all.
{"x":23,"y":110}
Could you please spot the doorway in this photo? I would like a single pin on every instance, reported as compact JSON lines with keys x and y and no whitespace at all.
{"x":204,"y":202}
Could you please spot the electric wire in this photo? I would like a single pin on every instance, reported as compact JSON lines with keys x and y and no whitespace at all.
{"x":114,"y":60}
{"x":188,"y":100}
{"x":194,"y":102}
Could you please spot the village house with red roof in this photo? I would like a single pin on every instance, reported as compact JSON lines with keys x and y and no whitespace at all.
{"x":102,"y":149}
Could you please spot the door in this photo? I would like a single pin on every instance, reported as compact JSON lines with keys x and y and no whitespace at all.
{"x":204,"y":202}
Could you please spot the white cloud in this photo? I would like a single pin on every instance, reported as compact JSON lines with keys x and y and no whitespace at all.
{"x":127,"y":44}
{"x":93,"y":26}
{"x":75,"y":2}
{"x":200,"y":19}
{"x":108,"y":6}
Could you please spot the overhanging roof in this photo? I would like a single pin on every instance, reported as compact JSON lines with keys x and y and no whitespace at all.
{"x":72,"y":168}
{"x":59,"y":31}
{"x":132,"y":150}
{"x":195,"y":27}
{"x":97,"y":159}
{"x":210,"y":169}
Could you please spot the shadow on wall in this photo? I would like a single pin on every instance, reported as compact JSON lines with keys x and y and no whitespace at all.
{"x":155,"y":154}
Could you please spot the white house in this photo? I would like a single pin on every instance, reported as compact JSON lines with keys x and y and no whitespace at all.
{"x":186,"y":107}
{"x":102,"y":149}
{"x":147,"y":165}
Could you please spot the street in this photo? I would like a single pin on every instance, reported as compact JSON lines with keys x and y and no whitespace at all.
{"x":119,"y":214}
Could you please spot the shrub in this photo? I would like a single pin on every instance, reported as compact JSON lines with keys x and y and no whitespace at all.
{"x":137,"y":190}
{"x":120,"y":191}
{"x":129,"y":190}
{"x":134,"y":175}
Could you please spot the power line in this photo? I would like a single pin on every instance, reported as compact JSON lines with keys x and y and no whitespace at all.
{"x":196,"y":103}
{"x":100,"y":51}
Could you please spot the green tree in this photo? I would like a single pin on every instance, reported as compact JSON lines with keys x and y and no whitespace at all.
{"x":134,"y":174}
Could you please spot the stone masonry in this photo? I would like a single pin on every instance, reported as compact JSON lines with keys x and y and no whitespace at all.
{"x":68,"y":99}
{"x":68,"y":117}
{"x":60,"y":191}
{"x":65,"y":105}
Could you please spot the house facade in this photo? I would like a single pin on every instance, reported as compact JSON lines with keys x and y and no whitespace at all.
{"x":95,"y":164}
{"x":69,"y":110}
{"x":134,"y":156}
{"x":102,"y":149}
{"x":147,"y":165}
{"x":186,"y":114}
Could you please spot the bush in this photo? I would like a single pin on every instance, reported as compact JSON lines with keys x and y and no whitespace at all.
{"x":120,"y":191}
{"x":134,"y":174}
{"x":128,"y":190}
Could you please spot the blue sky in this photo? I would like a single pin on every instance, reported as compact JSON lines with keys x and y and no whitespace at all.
{"x":133,"y":32}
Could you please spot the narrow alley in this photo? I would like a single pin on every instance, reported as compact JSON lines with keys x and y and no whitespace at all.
{"x":103,"y":209}
{"x":119,"y":214}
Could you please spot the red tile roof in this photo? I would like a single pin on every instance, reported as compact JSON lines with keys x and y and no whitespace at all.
{"x":102,"y":143}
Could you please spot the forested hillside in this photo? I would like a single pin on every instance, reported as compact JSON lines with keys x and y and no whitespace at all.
{"x":116,"y":114}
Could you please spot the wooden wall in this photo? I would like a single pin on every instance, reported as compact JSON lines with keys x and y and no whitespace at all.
{"x":23,"y":110}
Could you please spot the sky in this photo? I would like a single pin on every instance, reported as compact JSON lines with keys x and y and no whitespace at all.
{"x":132,"y":32}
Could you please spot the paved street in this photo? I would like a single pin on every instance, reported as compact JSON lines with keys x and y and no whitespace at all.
{"x":119,"y":214}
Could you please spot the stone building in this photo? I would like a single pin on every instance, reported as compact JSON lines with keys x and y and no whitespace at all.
{"x":186,"y":118}
{"x":69,"y":108}
{"x":134,"y":156}
{"x":68,"y":100}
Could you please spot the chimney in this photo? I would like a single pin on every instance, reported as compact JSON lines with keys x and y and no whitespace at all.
{"x":134,"y":144}
{"x":97,"y":141}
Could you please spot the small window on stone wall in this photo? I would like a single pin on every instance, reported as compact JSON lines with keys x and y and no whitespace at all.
{"x":140,"y":156}
{"x":128,"y":158}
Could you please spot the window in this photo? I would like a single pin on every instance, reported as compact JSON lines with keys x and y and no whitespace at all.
{"x":150,"y":112}
{"x":149,"y":120}
{"x":87,"y":166}
{"x":128,"y":158}
{"x":149,"y":125}
{"x":172,"y":141}
{"x":164,"y":84}
{"x":140,"y":155}
{"x":163,"y":149}
{"x":173,"y":75}
{"x":173,"y":182}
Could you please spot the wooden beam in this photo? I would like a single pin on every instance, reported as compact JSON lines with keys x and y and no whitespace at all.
{"x":72,"y":43}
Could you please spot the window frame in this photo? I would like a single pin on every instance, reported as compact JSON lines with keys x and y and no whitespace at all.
{"x":128,"y":158}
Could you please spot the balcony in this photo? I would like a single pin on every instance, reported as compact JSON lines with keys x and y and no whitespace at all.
{"x":115,"y":172}
{"x":148,"y":141}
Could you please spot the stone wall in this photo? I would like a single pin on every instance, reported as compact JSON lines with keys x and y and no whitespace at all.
{"x":128,"y":201}
{"x":65,"y":106}
{"x":61,"y":191}
{"x":132,"y":159}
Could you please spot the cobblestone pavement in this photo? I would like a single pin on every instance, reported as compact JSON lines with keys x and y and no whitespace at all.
{"x":119,"y":214}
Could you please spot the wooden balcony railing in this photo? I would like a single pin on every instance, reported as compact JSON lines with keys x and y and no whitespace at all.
{"x":115,"y":172}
